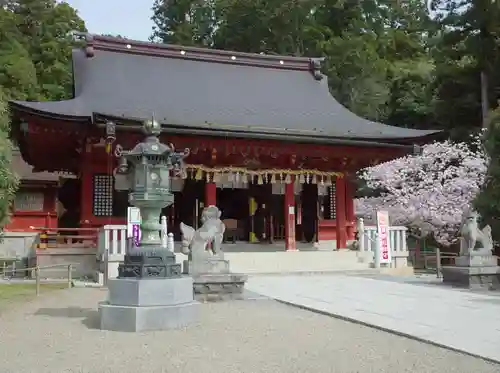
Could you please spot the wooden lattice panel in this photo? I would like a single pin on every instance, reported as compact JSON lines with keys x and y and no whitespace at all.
{"x":332,"y":202}
{"x":102,"y":202}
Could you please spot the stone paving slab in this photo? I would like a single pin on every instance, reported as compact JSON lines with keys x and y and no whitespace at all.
{"x":460,"y":320}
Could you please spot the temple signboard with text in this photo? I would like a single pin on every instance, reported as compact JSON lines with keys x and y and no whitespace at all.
{"x":384,"y":243}
{"x":134,"y":224}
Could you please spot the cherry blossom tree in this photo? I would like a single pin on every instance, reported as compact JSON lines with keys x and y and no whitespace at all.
{"x":430,"y":192}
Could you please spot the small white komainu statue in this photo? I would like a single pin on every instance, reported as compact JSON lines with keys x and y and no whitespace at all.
{"x":209,"y":235}
{"x":472,"y":234}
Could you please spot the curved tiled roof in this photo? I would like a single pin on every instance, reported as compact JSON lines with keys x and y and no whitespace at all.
{"x":195,"y":88}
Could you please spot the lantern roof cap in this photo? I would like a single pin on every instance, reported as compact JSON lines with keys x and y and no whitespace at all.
{"x":151,"y":146}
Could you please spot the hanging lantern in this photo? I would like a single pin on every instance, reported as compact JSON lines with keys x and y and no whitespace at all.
{"x":322,"y":182}
{"x":273,"y":179}
{"x":260,"y":181}
{"x":288,"y":179}
{"x":282,"y":178}
{"x":308,"y":178}
{"x":314,"y":179}
{"x":199,"y":174}
{"x":207,"y":177}
{"x":302,"y":179}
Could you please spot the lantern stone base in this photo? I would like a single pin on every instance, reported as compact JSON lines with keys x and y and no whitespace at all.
{"x":474,"y":271}
{"x":149,"y":264}
{"x":213,"y":281}
{"x":136,"y":305}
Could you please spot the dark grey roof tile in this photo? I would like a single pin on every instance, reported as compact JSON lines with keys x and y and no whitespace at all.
{"x":201,"y":94}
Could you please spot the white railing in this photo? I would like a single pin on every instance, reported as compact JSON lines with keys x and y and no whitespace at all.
{"x":368,"y":246}
{"x":397,"y":239}
{"x":112,"y":247}
{"x":113,"y":240}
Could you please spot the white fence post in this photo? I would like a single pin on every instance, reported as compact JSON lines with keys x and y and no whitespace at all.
{"x":170,"y":242}
{"x":112,"y":247}
{"x":376,"y":251}
{"x":164,"y":232}
{"x":361,"y":233}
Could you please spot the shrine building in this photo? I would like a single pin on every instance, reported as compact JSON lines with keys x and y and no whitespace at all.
{"x":269,"y":145}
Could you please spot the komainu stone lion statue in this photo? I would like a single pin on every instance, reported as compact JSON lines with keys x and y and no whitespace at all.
{"x":208,"y":237}
{"x":472,"y":234}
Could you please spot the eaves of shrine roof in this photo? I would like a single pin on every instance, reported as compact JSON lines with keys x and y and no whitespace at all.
{"x":198,"y":90}
{"x":26,"y":173}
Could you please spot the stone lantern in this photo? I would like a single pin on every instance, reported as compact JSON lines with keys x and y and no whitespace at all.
{"x":148,"y":166}
{"x":150,"y":293}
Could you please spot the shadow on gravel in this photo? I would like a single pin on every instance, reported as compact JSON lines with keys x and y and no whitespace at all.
{"x":90,"y":316}
{"x":68,"y":312}
{"x":92,"y":320}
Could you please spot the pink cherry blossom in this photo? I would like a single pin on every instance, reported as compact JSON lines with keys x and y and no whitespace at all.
{"x":428,"y":193}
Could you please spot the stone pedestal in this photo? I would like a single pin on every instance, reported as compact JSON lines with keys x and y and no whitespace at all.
{"x":141,"y":304}
{"x":212,"y":279}
{"x":211,"y":265}
{"x":473,"y":271}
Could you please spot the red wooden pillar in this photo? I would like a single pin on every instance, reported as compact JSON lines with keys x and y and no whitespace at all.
{"x":210,"y":194}
{"x":340,"y":212}
{"x":290,"y":243}
{"x":87,"y":188}
{"x":351,"y":219}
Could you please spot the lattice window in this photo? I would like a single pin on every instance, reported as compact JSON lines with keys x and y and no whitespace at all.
{"x":103,"y":195}
{"x":332,"y":202}
{"x":29,"y":201}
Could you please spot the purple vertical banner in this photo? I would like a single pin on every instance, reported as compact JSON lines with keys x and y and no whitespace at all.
{"x":136,"y":234}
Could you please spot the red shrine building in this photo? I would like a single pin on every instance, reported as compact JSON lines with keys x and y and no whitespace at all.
{"x":269,"y":145}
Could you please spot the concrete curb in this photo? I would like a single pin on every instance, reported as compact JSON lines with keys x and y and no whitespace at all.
{"x":387,"y":330}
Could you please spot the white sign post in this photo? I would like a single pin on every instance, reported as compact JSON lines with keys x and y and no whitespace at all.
{"x":133,"y":222}
{"x":383,"y":241}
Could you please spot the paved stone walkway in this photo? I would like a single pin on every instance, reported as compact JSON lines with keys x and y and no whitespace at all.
{"x":461,"y":320}
{"x":56,"y":333}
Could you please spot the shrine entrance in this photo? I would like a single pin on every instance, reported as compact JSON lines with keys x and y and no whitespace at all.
{"x":68,"y":209}
{"x":235,"y":212}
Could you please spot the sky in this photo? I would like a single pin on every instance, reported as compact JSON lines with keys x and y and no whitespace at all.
{"x":130,"y":19}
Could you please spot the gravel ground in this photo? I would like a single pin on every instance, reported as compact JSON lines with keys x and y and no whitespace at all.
{"x":57,"y":333}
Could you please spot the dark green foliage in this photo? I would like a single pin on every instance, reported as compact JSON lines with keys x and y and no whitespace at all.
{"x":184,"y":22}
{"x":35,"y":49}
{"x":370,"y":45}
{"x":8,"y":179}
{"x":385,"y":60}
{"x":487,"y":203}
{"x":35,"y":64}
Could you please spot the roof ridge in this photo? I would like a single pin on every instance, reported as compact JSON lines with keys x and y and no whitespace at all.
{"x":95,"y":43}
